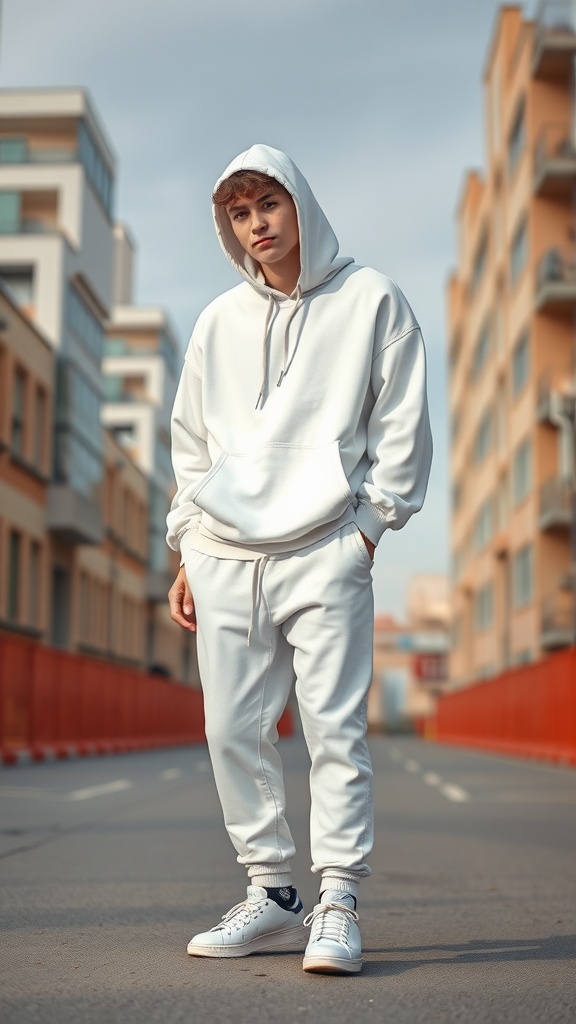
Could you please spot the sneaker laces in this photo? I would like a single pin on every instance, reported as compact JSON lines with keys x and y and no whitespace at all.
{"x":238,"y":915}
{"x":330,"y":921}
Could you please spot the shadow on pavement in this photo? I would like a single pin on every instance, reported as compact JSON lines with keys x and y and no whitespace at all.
{"x":477,"y":951}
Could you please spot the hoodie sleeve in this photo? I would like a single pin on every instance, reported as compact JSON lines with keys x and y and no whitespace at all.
{"x":399,"y":441}
{"x":190,"y":456}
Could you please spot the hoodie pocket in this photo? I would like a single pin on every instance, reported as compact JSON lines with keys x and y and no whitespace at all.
{"x":276,"y":493}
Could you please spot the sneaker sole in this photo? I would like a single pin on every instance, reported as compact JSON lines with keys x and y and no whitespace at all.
{"x":270,"y":941}
{"x":331,"y":965}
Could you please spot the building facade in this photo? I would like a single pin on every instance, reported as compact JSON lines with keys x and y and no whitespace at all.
{"x":82,"y":510}
{"x":511,"y":325}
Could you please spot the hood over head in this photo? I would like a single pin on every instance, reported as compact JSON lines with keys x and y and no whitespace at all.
{"x":318,"y":244}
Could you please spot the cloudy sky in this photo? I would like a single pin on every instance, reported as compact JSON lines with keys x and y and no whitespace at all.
{"x":379,"y":102}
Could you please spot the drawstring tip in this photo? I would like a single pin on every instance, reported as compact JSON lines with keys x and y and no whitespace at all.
{"x":259,"y":400}
{"x":280,"y":379}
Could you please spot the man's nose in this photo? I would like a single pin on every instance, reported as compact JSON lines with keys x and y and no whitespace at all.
{"x":258,"y":221}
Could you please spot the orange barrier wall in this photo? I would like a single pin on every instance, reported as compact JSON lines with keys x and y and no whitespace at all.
{"x":529,"y":711}
{"x":56,"y":703}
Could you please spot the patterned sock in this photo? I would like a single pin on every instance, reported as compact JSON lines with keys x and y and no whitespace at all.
{"x":286,"y":897}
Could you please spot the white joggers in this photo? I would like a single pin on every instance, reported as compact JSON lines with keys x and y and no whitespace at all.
{"x":307,"y":615}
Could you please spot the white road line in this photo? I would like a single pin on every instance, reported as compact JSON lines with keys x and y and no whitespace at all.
{"x":412,"y":766}
{"x":455,"y":793}
{"x":105,"y":787}
{"x":432,"y":779}
{"x":395,"y":754}
{"x":171,"y":773}
{"x":203,"y":766}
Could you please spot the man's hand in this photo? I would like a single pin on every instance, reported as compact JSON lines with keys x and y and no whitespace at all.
{"x":370,"y":547}
{"x":182,"y":602}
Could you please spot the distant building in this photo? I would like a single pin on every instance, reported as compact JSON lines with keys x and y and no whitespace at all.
{"x":512,"y":306}
{"x":83,"y":561}
{"x":410,"y":656}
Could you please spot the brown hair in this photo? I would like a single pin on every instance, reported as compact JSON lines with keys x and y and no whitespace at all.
{"x":242,"y":183}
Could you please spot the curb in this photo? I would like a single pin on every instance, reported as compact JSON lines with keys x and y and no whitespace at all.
{"x":12,"y":756}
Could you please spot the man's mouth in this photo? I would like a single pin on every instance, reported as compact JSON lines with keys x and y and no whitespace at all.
{"x":263,"y":241}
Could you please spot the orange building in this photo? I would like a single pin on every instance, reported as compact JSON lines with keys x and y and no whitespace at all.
{"x":511,"y":314}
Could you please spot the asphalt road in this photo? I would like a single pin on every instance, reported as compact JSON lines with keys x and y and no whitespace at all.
{"x":107,"y":866}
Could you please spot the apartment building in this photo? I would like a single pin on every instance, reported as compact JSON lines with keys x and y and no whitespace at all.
{"x":511,"y":325}
{"x":410,"y":656}
{"x":84,"y":490}
{"x":26,"y":403}
{"x":141,"y":367}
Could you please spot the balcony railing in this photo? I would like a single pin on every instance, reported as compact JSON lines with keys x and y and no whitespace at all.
{"x":557,"y":622}
{"x":555,"y":510}
{"x":555,"y":40}
{"x":555,"y":393}
{"x":555,"y":162}
{"x":39,"y":156}
{"x":556,"y":281}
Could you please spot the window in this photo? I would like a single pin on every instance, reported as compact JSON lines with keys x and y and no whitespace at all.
{"x":521,"y":472}
{"x":518,"y":252}
{"x":84,"y":325}
{"x":14,"y":550}
{"x":479,"y":263}
{"x":78,"y":459}
{"x":35,"y":583}
{"x":522,"y":576}
{"x":521,"y":364}
{"x":484,"y":608}
{"x":18,"y":412}
{"x":483,"y":526}
{"x":10,"y":207}
{"x":13,"y":151}
{"x":517,"y":138}
{"x":96,"y":170}
{"x":481,"y":351}
{"x":19,"y":282}
{"x":483,"y":439}
{"x":40,"y":429}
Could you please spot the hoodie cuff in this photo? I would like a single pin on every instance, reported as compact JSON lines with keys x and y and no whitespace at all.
{"x":370,"y":521}
{"x":187,"y":531}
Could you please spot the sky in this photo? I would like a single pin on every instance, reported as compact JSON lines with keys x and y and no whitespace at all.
{"x":378,"y":102}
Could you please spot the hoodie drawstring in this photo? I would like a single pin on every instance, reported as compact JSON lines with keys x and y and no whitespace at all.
{"x":259,"y":567}
{"x":285,"y":365}
{"x":265,"y":349}
{"x":285,"y":347}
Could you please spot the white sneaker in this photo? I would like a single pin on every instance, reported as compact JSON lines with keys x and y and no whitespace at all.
{"x":335,"y":946}
{"x":255,"y":925}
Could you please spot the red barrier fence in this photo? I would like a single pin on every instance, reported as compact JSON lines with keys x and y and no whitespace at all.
{"x":53,"y":703}
{"x":529,"y":711}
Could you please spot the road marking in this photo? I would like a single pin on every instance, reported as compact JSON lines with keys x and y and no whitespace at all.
{"x":171,"y":773}
{"x":455,"y":793}
{"x":412,"y":766}
{"x":105,"y":787}
{"x":395,"y":755}
{"x":432,"y":779}
{"x":203,"y":766}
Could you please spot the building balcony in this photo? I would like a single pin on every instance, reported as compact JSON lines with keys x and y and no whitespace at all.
{"x":556,"y":283}
{"x":555,"y":394}
{"x":74,"y":518}
{"x":554,"y":41}
{"x":557,"y":623}
{"x":555,"y":163}
{"x":555,"y":508}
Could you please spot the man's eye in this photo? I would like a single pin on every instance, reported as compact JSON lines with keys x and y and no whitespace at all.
{"x":270,"y":202}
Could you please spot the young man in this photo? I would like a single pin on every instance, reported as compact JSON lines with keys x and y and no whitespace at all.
{"x":300,"y":434}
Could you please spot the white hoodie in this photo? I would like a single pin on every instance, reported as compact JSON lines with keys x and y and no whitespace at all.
{"x":295,"y":415}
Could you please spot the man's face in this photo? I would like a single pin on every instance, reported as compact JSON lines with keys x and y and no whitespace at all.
{"x":266,"y":226}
